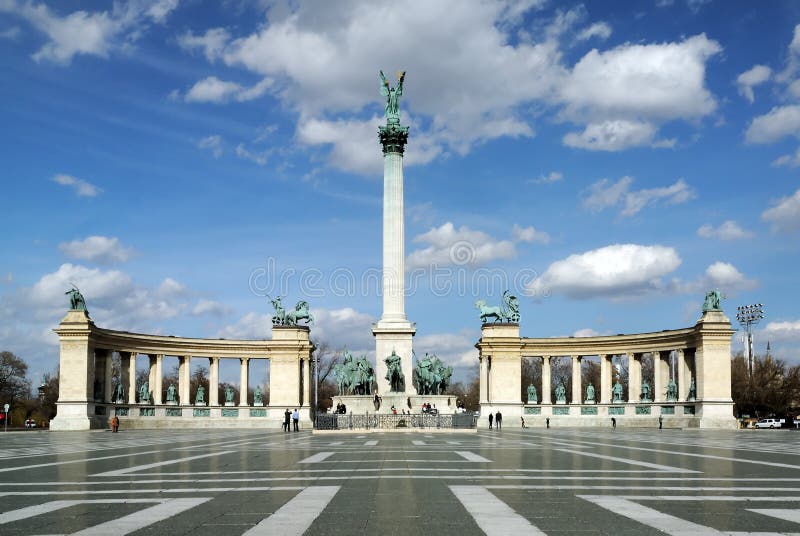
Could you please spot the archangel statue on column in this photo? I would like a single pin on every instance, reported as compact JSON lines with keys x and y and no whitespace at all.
{"x":392,"y":112}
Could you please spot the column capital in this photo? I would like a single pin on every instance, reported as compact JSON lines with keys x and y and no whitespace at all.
{"x":393,"y":138}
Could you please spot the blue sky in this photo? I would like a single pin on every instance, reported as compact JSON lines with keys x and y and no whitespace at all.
{"x":608,"y":162}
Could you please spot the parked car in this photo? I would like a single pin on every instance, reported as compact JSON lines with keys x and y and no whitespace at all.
{"x":769,"y":423}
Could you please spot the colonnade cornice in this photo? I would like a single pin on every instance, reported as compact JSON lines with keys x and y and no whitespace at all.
{"x":661,"y":341}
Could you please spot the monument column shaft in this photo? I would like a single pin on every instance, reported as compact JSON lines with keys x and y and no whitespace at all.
{"x":132,"y":378}
{"x":546,"y":382}
{"x":634,"y":377}
{"x":484,"y":380}
{"x":213,"y":382}
{"x":605,"y":378}
{"x":393,"y":239}
{"x":658,"y":378}
{"x":683,"y":385}
{"x":244,"y":369}
{"x":184,"y":379}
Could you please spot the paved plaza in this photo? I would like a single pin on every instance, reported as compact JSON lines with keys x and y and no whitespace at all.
{"x":512,"y":482}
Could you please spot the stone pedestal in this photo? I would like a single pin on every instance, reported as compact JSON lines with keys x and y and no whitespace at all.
{"x":394,"y":337}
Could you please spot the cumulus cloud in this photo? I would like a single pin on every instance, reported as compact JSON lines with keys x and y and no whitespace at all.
{"x":212,"y":89}
{"x":746,"y":81}
{"x":779,"y":122}
{"x":211,"y":308}
{"x":455,"y":349}
{"x":585,"y":332}
{"x":606,"y":194}
{"x":212,"y":43}
{"x":787,"y":330}
{"x":727,"y":230}
{"x":784,"y":215}
{"x":213,"y":144}
{"x":98,"y":249}
{"x":615,"y":135}
{"x":614,"y":271}
{"x":257,"y":326}
{"x":89,"y":33}
{"x":601,"y":30}
{"x":788,"y":160}
{"x":721,"y":275}
{"x":553,"y":176}
{"x":81,"y":187}
{"x":259,"y":157}
{"x":529,"y":234}
{"x":463,"y":246}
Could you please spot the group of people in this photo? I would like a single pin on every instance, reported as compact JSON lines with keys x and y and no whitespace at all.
{"x":427,"y":408}
{"x":341,"y":409}
{"x":497,"y":419}
{"x":290,"y":418}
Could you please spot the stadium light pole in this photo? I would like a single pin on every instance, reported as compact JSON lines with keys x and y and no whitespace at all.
{"x":749,"y":316}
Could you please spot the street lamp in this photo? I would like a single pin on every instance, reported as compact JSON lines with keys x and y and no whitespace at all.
{"x":749,"y":316}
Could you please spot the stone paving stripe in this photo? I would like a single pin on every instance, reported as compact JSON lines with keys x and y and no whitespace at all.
{"x":491,"y":514}
{"x":39,"y":509}
{"x":674,"y":526}
{"x":418,"y":443}
{"x":335,"y":443}
{"x":780,"y":513}
{"x":120,"y":472}
{"x":294,"y":517}
{"x":370,"y":443}
{"x":5,"y":469}
{"x":316,"y":458}
{"x":471,"y":456}
{"x":453,"y":442}
{"x":143,"y":518}
{"x":154,"y":490}
{"x":628,"y":461}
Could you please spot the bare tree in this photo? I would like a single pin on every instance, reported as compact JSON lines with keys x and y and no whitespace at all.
{"x":14,"y":382}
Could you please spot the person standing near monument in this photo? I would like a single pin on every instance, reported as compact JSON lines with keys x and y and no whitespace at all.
{"x":115,"y":424}
{"x":491,"y":418}
{"x":287,"y":415}
{"x":296,"y":420}
{"x":498,"y":420}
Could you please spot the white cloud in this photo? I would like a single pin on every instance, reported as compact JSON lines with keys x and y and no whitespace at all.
{"x":81,"y":187}
{"x":212,"y":43}
{"x":553,"y":176}
{"x":259,"y":158}
{"x":210,"y":307}
{"x":787,"y":330}
{"x":614,"y":271}
{"x":726,"y":276}
{"x":99,"y":249}
{"x":779,"y":122}
{"x":529,"y":234}
{"x":212,"y":89}
{"x":746,"y":81}
{"x":255,"y":326}
{"x":213,"y":144}
{"x":605,"y":194}
{"x":455,"y":349}
{"x":600,"y":30}
{"x":585,"y":332}
{"x":727,"y":230}
{"x":616,"y":135}
{"x":89,"y":33}
{"x":657,"y":81}
{"x":10,"y":33}
{"x":784,"y":214}
{"x":462,"y":246}
{"x":788,"y":160}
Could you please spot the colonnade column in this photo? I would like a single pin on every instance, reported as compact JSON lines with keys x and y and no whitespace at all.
{"x":159,"y":384}
{"x":576,"y":379}
{"x":484,"y":380}
{"x":99,"y":371}
{"x":132,"y":378}
{"x":658,"y":378}
{"x":151,"y":377}
{"x":546,"y":382}
{"x":634,"y":377}
{"x":184,"y":379}
{"x":213,"y":382}
{"x":683,"y":385}
{"x":124,"y":374}
{"x":244,"y":369}
{"x":605,"y":378}
{"x":306,"y":382}
{"x":108,"y":388}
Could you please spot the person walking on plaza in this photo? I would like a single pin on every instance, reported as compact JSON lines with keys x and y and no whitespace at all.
{"x":613,"y":422}
{"x":296,"y":420}
{"x":522,"y":420}
{"x":498,"y":420}
{"x":115,"y":424}
{"x":660,"y":422}
{"x":547,"y":422}
{"x":491,"y":418}
{"x":287,"y":415}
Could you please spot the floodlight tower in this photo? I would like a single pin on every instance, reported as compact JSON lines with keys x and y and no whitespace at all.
{"x":749,"y":316}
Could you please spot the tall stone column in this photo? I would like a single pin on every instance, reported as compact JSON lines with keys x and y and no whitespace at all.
{"x":152,"y":374}
{"x":634,"y":376}
{"x":158,"y":388}
{"x":306,"y":383}
{"x":75,"y":405}
{"x":185,"y":380}
{"x":393,"y":332}
{"x":213,"y":382}
{"x":547,"y":387}
{"x":244,"y":370}
{"x":483,"y":380}
{"x":124,"y":373}
{"x":605,"y":378}
{"x":683,"y":385}
{"x":659,"y":387}
{"x":132,"y":378}
{"x":100,"y":367}
{"x":576,"y":379}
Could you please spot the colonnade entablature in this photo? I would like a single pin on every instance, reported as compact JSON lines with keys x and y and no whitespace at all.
{"x":89,"y":394}
{"x":689,"y":385}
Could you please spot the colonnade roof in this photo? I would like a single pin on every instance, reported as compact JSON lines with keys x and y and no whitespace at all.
{"x":666,"y":340}
{"x":124,"y":341}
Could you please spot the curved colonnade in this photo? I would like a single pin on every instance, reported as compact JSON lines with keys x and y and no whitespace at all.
{"x":702,"y":354}
{"x":86,"y":391}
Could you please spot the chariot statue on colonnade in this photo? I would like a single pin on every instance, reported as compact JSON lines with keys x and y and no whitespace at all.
{"x":282,"y":317}
{"x":508,"y":312}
